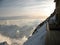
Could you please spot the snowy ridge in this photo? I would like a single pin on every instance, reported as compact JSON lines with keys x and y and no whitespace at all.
{"x":38,"y":36}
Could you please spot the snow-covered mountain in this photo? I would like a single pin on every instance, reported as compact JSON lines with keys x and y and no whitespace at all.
{"x":39,"y":35}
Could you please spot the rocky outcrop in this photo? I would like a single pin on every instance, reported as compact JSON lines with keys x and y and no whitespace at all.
{"x":4,"y":43}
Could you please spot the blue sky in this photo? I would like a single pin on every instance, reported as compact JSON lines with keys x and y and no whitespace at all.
{"x":26,"y":7}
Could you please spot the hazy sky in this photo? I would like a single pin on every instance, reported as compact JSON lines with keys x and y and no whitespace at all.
{"x":26,"y":7}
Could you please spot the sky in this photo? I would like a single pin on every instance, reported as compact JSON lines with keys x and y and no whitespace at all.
{"x":26,"y":7}
{"x":13,"y":9}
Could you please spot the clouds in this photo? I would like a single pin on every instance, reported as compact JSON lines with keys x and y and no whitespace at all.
{"x":23,"y":7}
{"x":18,"y":28}
{"x":11,"y":41}
{"x":9,"y":30}
{"x":20,"y":3}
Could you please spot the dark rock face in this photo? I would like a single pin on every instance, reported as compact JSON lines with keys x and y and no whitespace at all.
{"x":58,"y":11}
{"x":53,"y":38}
{"x":4,"y":43}
{"x":56,"y":25}
{"x":53,"y":35}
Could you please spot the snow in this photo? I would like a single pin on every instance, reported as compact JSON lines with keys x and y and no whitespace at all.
{"x":38,"y":38}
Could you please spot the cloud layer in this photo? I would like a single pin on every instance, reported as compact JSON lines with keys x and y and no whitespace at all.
{"x":24,"y":7}
{"x":21,"y":3}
